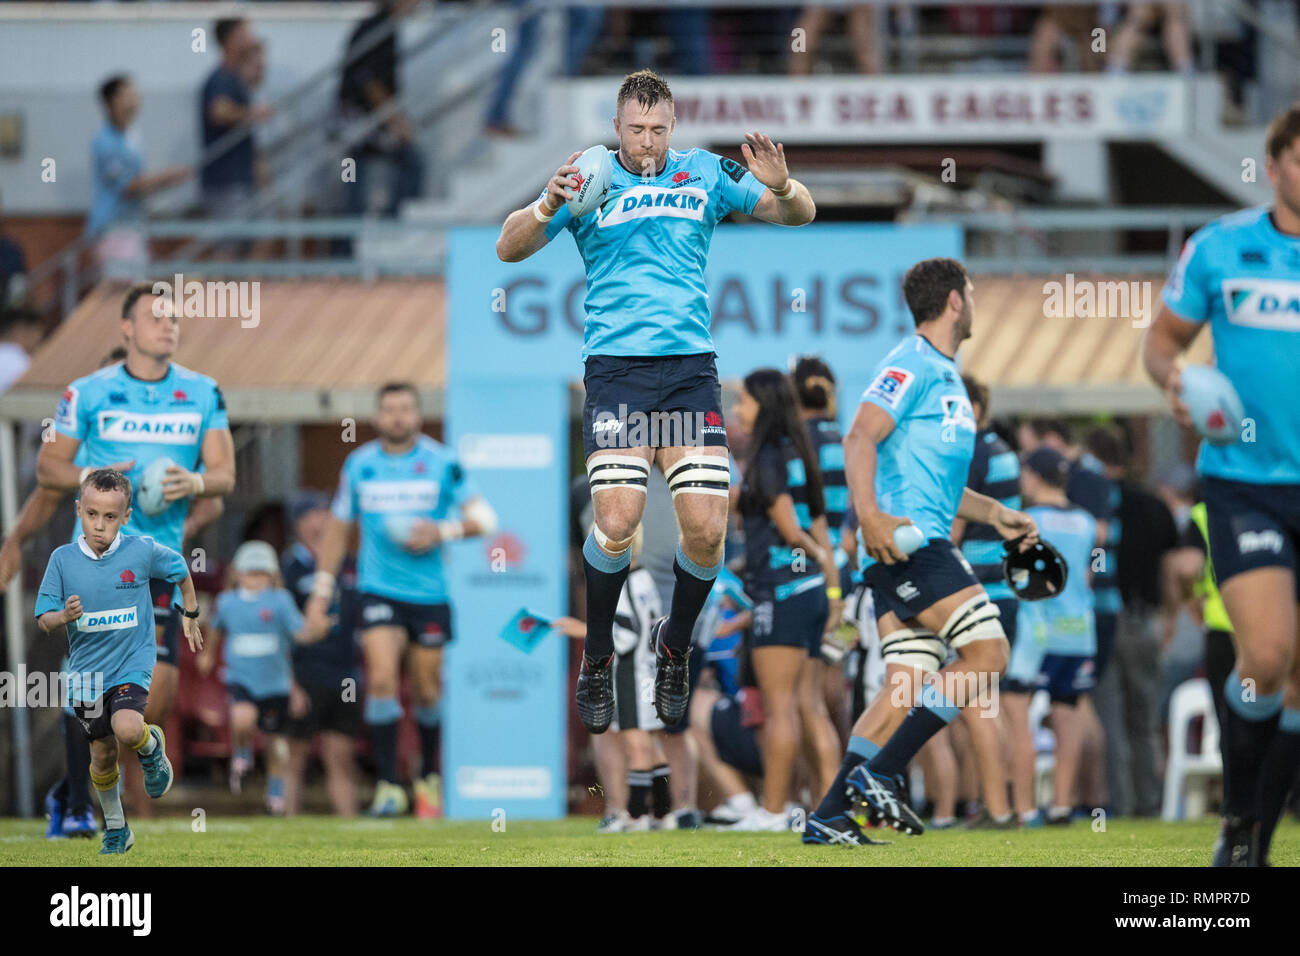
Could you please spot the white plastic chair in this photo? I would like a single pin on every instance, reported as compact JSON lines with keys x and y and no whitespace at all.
{"x":1191,"y":699}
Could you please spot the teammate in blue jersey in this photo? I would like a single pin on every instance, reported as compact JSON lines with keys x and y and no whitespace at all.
{"x":907,"y":456}
{"x":1241,"y":276}
{"x":1058,"y":646}
{"x":410,"y":497}
{"x":130,"y":414}
{"x":258,"y":623}
{"x":98,"y":588}
{"x":995,"y":472}
{"x":649,"y":357}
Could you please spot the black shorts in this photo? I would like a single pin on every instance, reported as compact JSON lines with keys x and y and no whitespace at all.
{"x":327,"y":711}
{"x":272,"y":712}
{"x":737,"y":744}
{"x":1251,"y":526}
{"x":428,"y":625}
{"x":96,"y":718}
{"x":933,"y":572}
{"x":1066,"y":676}
{"x":651,"y":402}
{"x":797,"y":621}
{"x":165,"y":617}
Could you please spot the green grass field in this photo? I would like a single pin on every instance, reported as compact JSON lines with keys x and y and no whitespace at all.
{"x":325,"y":841}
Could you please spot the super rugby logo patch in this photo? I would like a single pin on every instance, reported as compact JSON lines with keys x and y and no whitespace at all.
{"x":891,"y":385}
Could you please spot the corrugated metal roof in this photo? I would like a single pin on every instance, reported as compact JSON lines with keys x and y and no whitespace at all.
{"x":322,"y":346}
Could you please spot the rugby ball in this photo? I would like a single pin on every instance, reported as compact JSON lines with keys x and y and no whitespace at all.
{"x":595,"y":172}
{"x":149,"y":495}
{"x":399,"y":528}
{"x":1213,"y":403}
{"x":908,"y":538}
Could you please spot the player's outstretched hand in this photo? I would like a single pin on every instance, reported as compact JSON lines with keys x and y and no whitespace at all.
{"x":123,"y":466}
{"x":1012,"y":524}
{"x":878,"y":536}
{"x":315,"y":619}
{"x":558,"y":189}
{"x":766,"y":160}
{"x":72,"y":609}
{"x":570,"y":627}
{"x":179,"y":483}
{"x":192,"y":633}
{"x":1174,"y":396}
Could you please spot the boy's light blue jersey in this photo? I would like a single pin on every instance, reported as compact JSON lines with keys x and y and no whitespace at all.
{"x":259,"y":628}
{"x":646,"y":248}
{"x":1065,"y":622}
{"x":113,"y":641}
{"x":921,"y":467}
{"x":118,"y":417}
{"x":379,"y":490}
{"x":1243,"y":276}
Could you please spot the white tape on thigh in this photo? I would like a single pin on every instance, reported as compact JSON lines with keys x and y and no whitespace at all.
{"x":700,"y":475}
{"x":913,"y":648}
{"x":976,"y":620}
{"x":617,"y":471}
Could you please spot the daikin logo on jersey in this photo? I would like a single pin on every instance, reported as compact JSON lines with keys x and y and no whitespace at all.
{"x":398,"y":496}
{"x":638,"y":202}
{"x":163,"y":428}
{"x":210,"y":300}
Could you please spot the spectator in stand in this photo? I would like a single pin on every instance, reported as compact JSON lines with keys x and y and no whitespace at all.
{"x":322,"y":701}
{"x":371,"y":85}
{"x":119,"y":183}
{"x":583,"y":28}
{"x":1128,"y":695}
{"x":1176,"y":34}
{"x":21,"y":330}
{"x":861,"y":22}
{"x":1058,"y":25}
{"x":227,"y":115}
{"x":13,"y":271}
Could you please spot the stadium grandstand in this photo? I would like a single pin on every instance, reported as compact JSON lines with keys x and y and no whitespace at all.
{"x":320,"y":187}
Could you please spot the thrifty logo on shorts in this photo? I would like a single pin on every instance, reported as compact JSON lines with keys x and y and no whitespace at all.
{"x":655,"y":429}
{"x":210,"y":300}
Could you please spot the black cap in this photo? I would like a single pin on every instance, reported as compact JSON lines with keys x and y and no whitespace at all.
{"x":1049,"y":464}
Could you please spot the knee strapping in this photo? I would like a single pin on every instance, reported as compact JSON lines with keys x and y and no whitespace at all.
{"x":976,"y":620}
{"x":700,"y":475}
{"x":617,"y":471}
{"x":913,"y":648}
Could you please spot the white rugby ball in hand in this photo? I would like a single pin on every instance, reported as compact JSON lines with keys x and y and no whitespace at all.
{"x":908,"y":538}
{"x":1213,"y":403}
{"x":399,"y":528}
{"x":149,"y":496}
{"x":595,"y":172}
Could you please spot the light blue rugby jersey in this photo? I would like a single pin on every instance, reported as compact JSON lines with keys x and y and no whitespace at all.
{"x":425,"y":482}
{"x":113,"y":640}
{"x":259,"y":629}
{"x":645,"y":250}
{"x":1065,"y":622}
{"x":921,"y":467}
{"x":118,"y":417}
{"x":1243,"y":276}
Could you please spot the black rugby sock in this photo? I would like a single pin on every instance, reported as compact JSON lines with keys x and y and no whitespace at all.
{"x":693,"y":584}
{"x":605,"y":578}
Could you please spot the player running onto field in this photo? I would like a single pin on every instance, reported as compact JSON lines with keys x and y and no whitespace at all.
{"x":648,"y":350}
{"x":99,"y":588}
{"x":127,"y":416}
{"x":1241,"y":276}
{"x":907,"y":456}
{"x":403,"y":489}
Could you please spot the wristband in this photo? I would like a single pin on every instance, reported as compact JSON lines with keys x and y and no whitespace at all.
{"x":202,"y":486}
{"x":834,"y":593}
{"x":189,"y":614}
{"x":785,"y":193}
{"x":541,"y":216}
{"x":451,"y":530}
{"x":323,"y":585}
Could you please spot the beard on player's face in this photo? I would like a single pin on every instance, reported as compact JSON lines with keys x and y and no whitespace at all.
{"x":1285,"y":173}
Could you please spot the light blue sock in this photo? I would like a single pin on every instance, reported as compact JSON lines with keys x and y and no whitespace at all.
{"x":863,"y":747}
